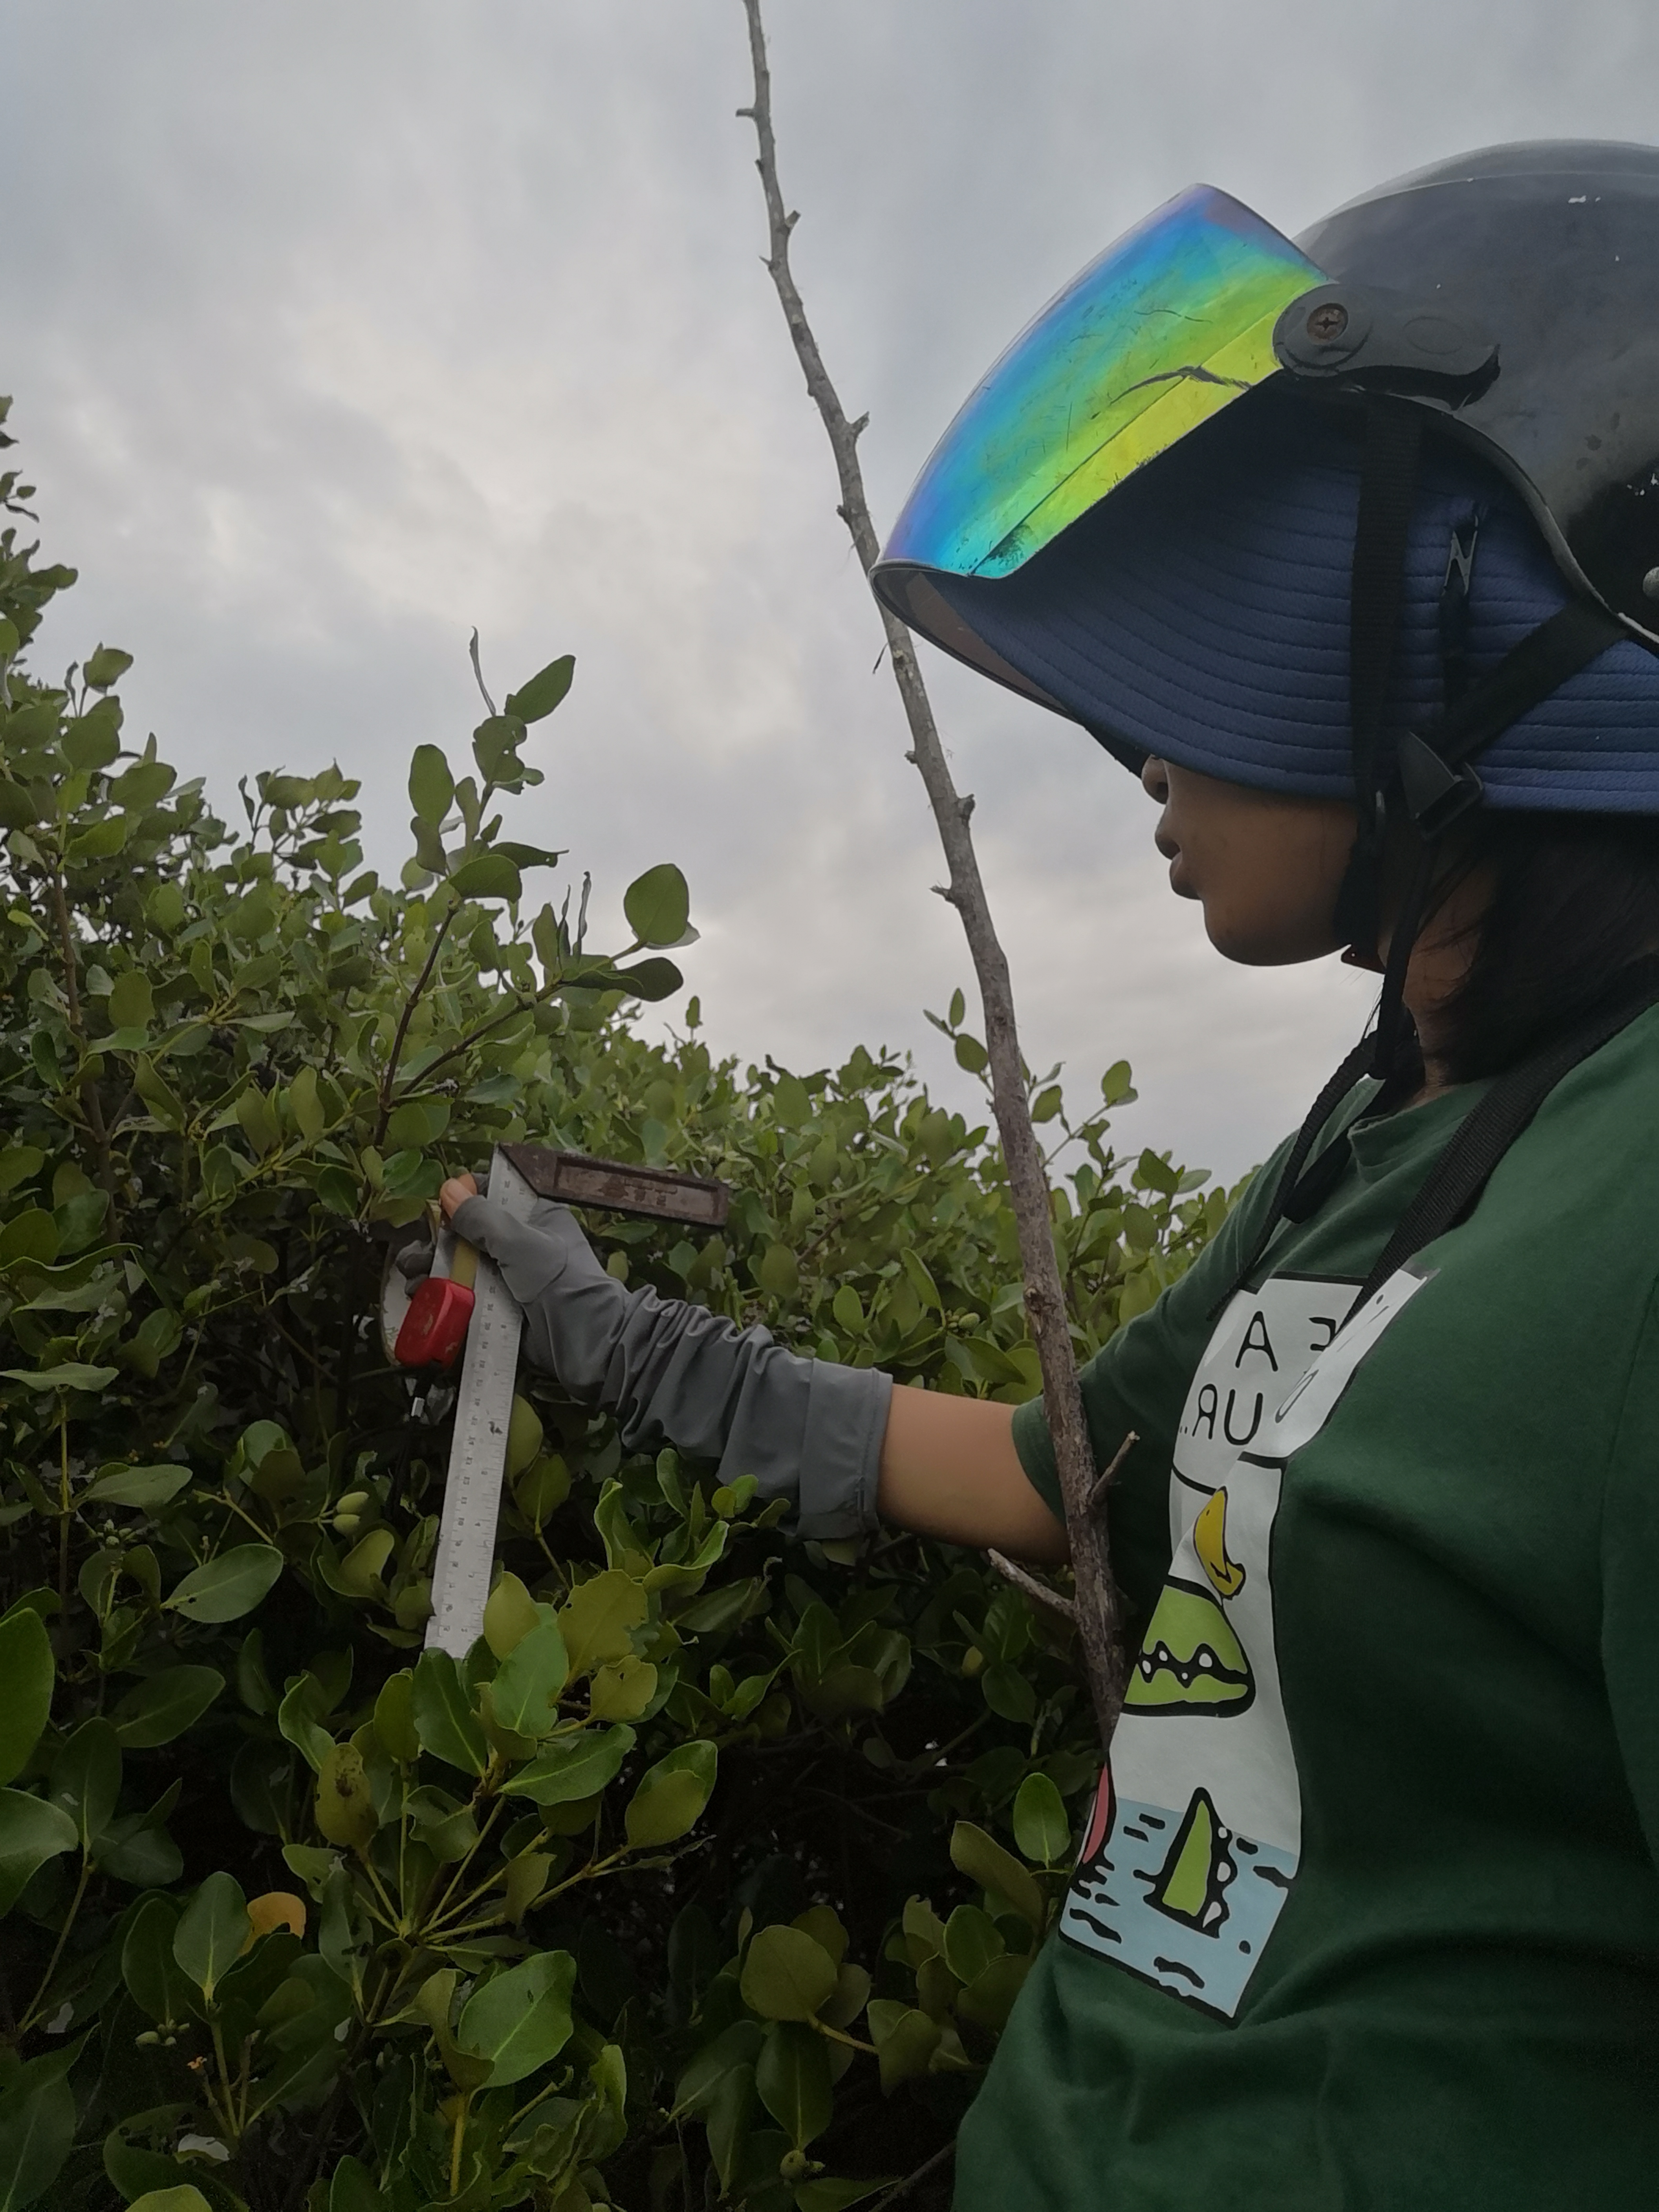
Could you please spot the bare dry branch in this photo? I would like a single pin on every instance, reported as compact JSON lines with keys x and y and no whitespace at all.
{"x":1109,"y":1475}
{"x":1012,"y":1571}
{"x":1096,"y":1611}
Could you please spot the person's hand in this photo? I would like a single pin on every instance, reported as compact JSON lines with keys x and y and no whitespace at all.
{"x":456,"y":1192}
{"x":574,"y":1306}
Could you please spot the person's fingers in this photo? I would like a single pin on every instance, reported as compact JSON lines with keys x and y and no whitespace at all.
{"x":456,"y":1192}
{"x":415,"y":1260}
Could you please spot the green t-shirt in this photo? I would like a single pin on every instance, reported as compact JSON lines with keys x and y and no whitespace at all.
{"x":1366,"y":1919}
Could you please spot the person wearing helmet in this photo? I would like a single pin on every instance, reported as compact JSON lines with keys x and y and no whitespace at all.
{"x":1349,"y":547}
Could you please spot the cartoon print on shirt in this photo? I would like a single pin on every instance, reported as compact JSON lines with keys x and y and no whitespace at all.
{"x":1196,"y":1834}
{"x":1210,"y":1542}
{"x":1190,"y":1660}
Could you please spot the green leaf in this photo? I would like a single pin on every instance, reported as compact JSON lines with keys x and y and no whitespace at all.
{"x":86,"y":1778}
{"x":146,"y":1487}
{"x":72,"y":1375}
{"x":211,"y":1932}
{"x":353,"y":2188}
{"x":297,"y":1720}
{"x":1040,"y":1827}
{"x":787,"y":1975}
{"x":132,"y":1001}
{"x":520,"y":2020}
{"x":37,"y":2132}
{"x":657,"y":905}
{"x":31,"y":1235}
{"x":344,"y":1802}
{"x":394,"y":1718}
{"x":650,"y":980}
{"x":229,"y":1585}
{"x":445,"y":1718}
{"x":792,"y":2076}
{"x":624,"y":1690}
{"x":103,"y":840}
{"x":31,"y":1833}
{"x":306,"y":1105}
{"x":147,"y":1965}
{"x":509,"y":1614}
{"x":161,"y":1709}
{"x":183,"y":2198}
{"x":529,"y":856}
{"x":359,"y":1573}
{"x":525,"y":1692}
{"x":535,"y":700}
{"x":417,"y":1123}
{"x":496,"y":745}
{"x":905,"y":2040}
{"x":105,"y":667}
{"x":597,"y":1617}
{"x":1009,"y":1694}
{"x":572,"y":1772}
{"x":79,"y":1219}
{"x":17,"y":1163}
{"x":777,"y":1273}
{"x":972,"y":1940}
{"x":487,"y":875}
{"x":971,"y":1054}
{"x":983,"y":1860}
{"x":28,"y":1670}
{"x":524,"y":1438}
{"x":431,"y":785}
{"x":671,"y":1795}
{"x":989,"y":1997}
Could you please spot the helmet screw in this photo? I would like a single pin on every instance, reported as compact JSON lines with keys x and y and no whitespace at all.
{"x":1328,"y":320}
{"x":1650,"y":585}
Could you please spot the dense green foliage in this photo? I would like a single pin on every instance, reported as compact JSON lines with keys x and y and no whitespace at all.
{"x":712,"y":1873}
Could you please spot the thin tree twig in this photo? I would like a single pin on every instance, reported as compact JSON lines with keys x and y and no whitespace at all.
{"x":1012,"y":1572}
{"x":91,"y":1105}
{"x":1109,"y":1475}
{"x":403,"y":1020}
{"x":1097,"y":1610}
{"x":897,"y":2193}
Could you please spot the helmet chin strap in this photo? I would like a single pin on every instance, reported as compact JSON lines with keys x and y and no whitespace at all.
{"x":1388,"y":497}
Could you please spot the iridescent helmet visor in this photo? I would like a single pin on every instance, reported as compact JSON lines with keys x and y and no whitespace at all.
{"x":1157,"y":335}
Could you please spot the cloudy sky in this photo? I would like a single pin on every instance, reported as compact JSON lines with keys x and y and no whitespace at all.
{"x":335,"y":330}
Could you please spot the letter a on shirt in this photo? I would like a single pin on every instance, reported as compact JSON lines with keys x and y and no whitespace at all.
{"x":1196,"y":1834}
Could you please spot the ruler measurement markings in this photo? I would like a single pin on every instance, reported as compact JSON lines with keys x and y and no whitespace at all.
{"x":466,"y":1537}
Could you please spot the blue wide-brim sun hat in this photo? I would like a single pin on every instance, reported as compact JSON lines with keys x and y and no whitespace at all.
{"x":1200,"y":613}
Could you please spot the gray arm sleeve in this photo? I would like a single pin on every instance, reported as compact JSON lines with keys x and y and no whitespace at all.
{"x":674,"y":1373}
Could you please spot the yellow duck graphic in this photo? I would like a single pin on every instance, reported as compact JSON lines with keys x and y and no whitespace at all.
{"x":1210,"y":1542}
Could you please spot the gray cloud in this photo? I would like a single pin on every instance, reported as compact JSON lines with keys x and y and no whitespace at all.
{"x":334,"y":332}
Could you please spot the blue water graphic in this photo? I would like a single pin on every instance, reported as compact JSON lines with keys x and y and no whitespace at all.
{"x":1111,"y":1908}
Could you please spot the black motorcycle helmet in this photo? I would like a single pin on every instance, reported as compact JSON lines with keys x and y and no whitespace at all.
{"x":1505,"y":301}
{"x":1549,"y":251}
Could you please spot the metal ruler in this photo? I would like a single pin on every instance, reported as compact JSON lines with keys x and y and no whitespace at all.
{"x":465,"y":1560}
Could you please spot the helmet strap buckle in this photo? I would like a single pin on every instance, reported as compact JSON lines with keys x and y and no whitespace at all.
{"x":1435,"y":793}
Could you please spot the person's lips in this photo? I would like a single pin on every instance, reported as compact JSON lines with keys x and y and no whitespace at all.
{"x":1166,"y":844}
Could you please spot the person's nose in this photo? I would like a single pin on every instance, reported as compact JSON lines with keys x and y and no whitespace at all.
{"x":1155,"y":779}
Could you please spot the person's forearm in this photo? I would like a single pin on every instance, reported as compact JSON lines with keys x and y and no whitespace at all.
{"x":841,"y":1443}
{"x":949,"y":1468}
